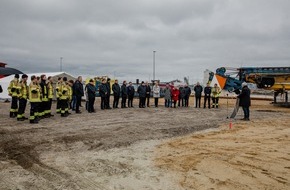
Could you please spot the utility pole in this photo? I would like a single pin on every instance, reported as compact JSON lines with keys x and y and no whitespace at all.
{"x":154,"y":65}
{"x":61,"y":64}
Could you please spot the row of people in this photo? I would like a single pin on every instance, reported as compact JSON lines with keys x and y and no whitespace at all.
{"x":172,"y":95}
{"x":40,"y":93}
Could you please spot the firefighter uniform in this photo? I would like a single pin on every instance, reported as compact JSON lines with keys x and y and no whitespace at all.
{"x":58,"y":85}
{"x":44,"y":104}
{"x":14,"y":91}
{"x":64,"y":91}
{"x":39,"y":113}
{"x":34,"y":97}
{"x":23,"y":96}
{"x":50,"y":97}
{"x":215,"y":91}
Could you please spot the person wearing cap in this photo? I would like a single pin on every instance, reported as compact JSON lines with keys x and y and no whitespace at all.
{"x":142,"y":90}
{"x":50,"y":95}
{"x":14,"y":91}
{"x":131,"y":93}
{"x":215,"y":94}
{"x":108,"y":85}
{"x":245,"y":100}
{"x":34,"y":98}
{"x":23,"y":96}
{"x":148,"y":93}
{"x":207,"y":93}
{"x":116,"y":90}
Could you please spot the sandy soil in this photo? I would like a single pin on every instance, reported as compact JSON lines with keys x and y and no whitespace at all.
{"x":152,"y":148}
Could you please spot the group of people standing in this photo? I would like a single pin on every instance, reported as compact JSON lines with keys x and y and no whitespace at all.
{"x":40,"y":93}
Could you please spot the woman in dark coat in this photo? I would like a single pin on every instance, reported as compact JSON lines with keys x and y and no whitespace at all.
{"x":245,"y":101}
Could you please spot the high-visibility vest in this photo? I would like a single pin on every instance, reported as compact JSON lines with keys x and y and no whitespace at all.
{"x":13,"y":88}
{"x":34,"y":92}
{"x":57,"y":88}
{"x":215,"y":91}
{"x":50,"y":90}
{"x":63,"y":91}
{"x":70,"y":92}
{"x":23,"y":90}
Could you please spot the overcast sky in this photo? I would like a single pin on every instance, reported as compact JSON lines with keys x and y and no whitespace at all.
{"x":118,"y":37}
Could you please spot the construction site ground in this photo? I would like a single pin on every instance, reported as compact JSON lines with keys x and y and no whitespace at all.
{"x":150,"y":148}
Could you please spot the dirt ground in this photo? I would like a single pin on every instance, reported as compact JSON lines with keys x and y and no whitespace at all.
{"x":151,"y":148}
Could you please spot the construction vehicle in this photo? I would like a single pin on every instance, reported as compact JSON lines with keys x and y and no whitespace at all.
{"x":276,"y":79}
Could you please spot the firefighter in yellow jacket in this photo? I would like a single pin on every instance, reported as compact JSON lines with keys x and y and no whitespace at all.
{"x":14,"y":91}
{"x":23,"y":96}
{"x":34,"y":97}
{"x":50,"y":96}
{"x":64,"y":91}
{"x":215,"y":94}
{"x":58,"y":84}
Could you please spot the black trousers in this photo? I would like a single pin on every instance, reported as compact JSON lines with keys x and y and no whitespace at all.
{"x":108,"y":101}
{"x":148,"y":101}
{"x":206,"y":100}
{"x":103,"y":102}
{"x":197,"y":101}
{"x":130,"y":101}
{"x":58,"y":105}
{"x":246,"y":112}
{"x":116,"y":101}
{"x":123,"y":103}
{"x":156,"y":102}
{"x":78,"y":103}
{"x":174,"y":103}
{"x":186,"y":101}
{"x":22,"y":107}
{"x":14,"y":106}
{"x":215,"y":102}
{"x":142,"y":101}
{"x":33,"y":111}
{"x":63,"y":107}
{"x":91,"y":104}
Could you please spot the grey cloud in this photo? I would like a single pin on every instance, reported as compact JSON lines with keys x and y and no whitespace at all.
{"x":118,"y":37}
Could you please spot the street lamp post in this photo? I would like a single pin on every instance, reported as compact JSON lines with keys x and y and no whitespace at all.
{"x":61,"y":64}
{"x":154,"y":65}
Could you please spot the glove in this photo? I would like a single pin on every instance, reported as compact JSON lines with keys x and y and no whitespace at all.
{"x":18,"y":91}
{"x":13,"y":89}
{"x":64,"y":91}
{"x":34,"y":91}
{"x":57,"y":89}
